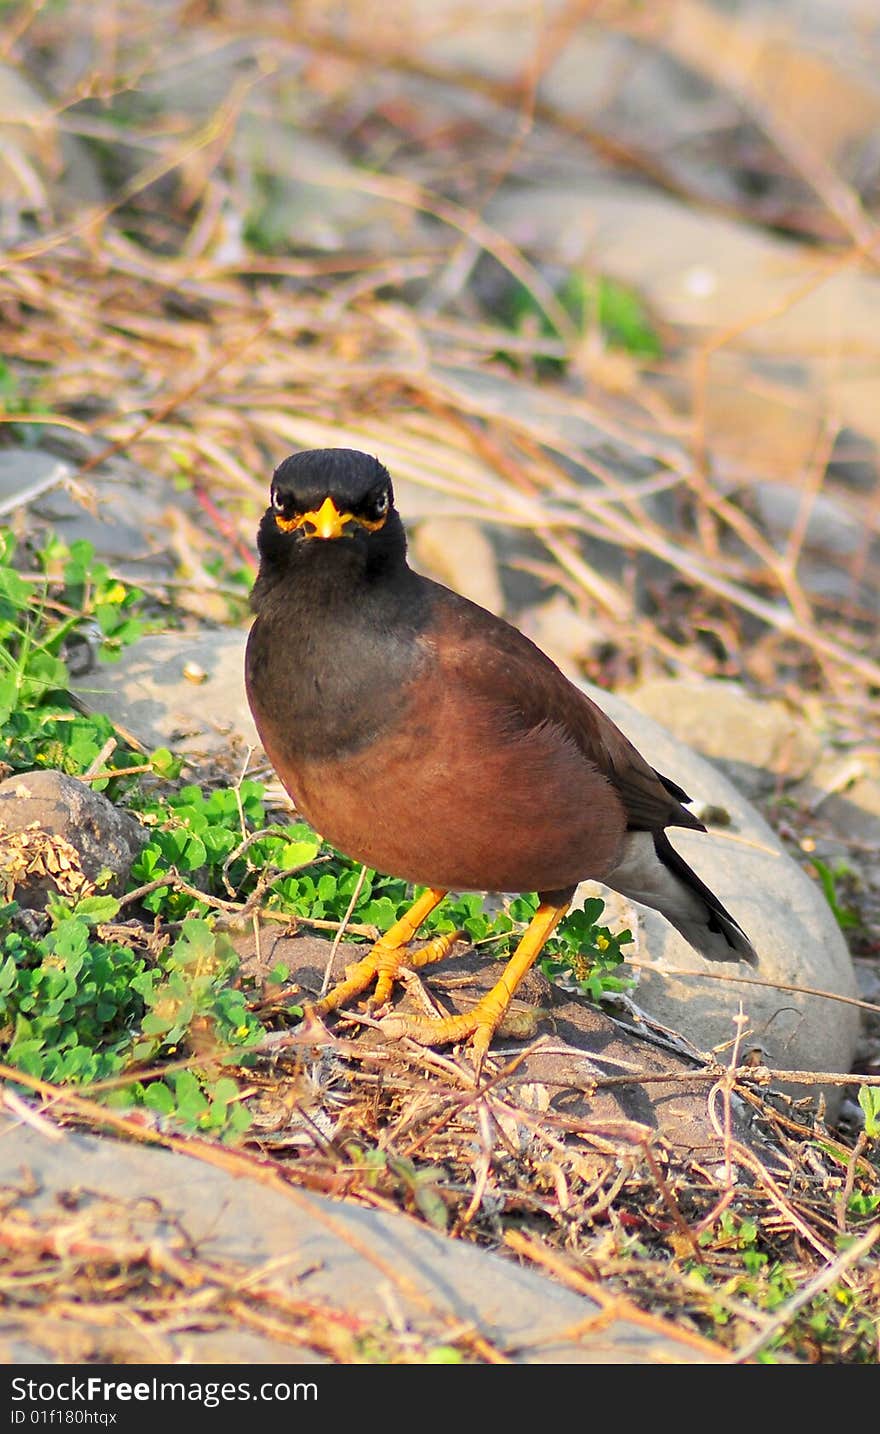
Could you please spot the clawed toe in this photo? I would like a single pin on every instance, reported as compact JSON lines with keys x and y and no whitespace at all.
{"x":383,"y":963}
{"x":478,"y":1025}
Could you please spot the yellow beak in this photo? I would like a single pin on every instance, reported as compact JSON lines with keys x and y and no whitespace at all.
{"x":326,"y":521}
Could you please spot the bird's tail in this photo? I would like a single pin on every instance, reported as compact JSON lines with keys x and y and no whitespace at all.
{"x":653,"y":872}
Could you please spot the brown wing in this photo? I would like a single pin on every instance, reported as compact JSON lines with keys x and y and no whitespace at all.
{"x":498,"y":664}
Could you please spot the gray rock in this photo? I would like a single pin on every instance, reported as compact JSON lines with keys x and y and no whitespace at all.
{"x":834,"y":540}
{"x":179,"y":690}
{"x":565,"y":634}
{"x":26,"y":473}
{"x":304,"y":1247}
{"x":844,"y":789}
{"x":58,"y":836}
{"x":831,"y":531}
{"x":45,"y":169}
{"x":122,"y":510}
{"x":317,"y":199}
{"x":857,"y":812}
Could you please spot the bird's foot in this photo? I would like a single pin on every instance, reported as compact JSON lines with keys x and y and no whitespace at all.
{"x":480,"y":1023}
{"x":383,"y":965}
{"x":390,"y":954}
{"x":477,"y":1025}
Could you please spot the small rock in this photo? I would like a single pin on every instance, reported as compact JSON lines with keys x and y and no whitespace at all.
{"x":846,"y":793}
{"x":756,"y":743}
{"x":45,"y":169}
{"x":562,"y":632}
{"x":457,"y":552}
{"x":868,"y":978}
{"x":57,"y":836}
{"x":315,"y":194}
{"x":831,"y":529}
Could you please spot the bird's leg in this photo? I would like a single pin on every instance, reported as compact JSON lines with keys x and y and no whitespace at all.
{"x":385,"y":959}
{"x":483,"y":1020}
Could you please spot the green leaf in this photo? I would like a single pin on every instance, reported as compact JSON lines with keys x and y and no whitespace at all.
{"x":326,"y":887}
{"x":381,"y":912}
{"x":194,"y":854}
{"x":165,"y":764}
{"x":225,"y":1090}
{"x":157,"y":1096}
{"x":196,"y":942}
{"x":239,"y":1118}
{"x":79,"y":1064}
{"x":95,"y":909}
{"x":27,"y":1056}
{"x":299,"y":853}
{"x":9,"y":689}
{"x":431,"y":1204}
{"x":16,"y":595}
{"x":523,"y":908}
{"x":44,"y":672}
{"x":9,"y":975}
{"x":70,"y":938}
{"x":869,"y":1100}
{"x":862,"y":1205}
{"x":146,"y":863}
{"x":191,"y":1103}
{"x":154,"y":1025}
{"x":845,"y":918}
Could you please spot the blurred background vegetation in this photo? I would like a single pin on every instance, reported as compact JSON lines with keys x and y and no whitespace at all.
{"x":597,"y":279}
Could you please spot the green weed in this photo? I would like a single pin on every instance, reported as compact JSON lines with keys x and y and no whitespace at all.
{"x":53,"y":602}
{"x":593,"y":303}
{"x":18,"y":397}
{"x":869,"y":1100}
{"x":835,"y":1319}
{"x":828,"y":879}
{"x":201,"y":835}
{"x":79,"y":1005}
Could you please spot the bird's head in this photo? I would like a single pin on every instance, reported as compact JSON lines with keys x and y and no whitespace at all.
{"x":329,"y":502}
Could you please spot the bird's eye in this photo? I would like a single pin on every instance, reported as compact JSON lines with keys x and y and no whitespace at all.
{"x":380,"y":503}
{"x":276,"y":500}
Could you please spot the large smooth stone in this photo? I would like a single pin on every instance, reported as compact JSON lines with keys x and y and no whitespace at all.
{"x":783,"y":912}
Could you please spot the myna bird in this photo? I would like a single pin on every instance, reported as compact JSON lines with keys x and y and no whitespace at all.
{"x":431,"y":740}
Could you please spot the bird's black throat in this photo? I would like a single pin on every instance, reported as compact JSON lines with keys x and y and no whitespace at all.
{"x":335,"y":640}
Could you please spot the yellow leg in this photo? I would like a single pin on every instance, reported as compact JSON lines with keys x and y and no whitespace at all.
{"x":483,"y":1020}
{"x":385,"y":959}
